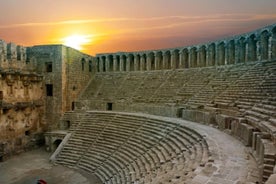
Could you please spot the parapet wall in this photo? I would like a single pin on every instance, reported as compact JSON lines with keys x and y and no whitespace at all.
{"x":254,"y":46}
{"x":14,"y":57}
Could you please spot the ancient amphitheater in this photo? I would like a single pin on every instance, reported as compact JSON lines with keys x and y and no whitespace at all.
{"x":202,"y":114}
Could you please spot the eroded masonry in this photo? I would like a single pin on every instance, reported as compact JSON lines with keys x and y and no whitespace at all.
{"x":120,"y":115}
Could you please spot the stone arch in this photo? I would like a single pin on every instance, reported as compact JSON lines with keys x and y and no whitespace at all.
{"x":251,"y":48}
{"x":143,"y":62}
{"x":90,"y":66}
{"x":221,"y":54}
{"x":123,"y":63}
{"x":56,"y":143}
{"x":110,"y":63}
{"x":231,"y":52}
{"x":202,"y":56}
{"x":137,"y":62}
{"x":241,"y":46}
{"x":175,"y":59}
{"x":104,"y":63}
{"x":117,"y":63}
{"x":273,"y":43}
{"x":98,"y":64}
{"x":167,"y":60}
{"x":158,"y":60}
{"x":211,"y":54}
{"x":131,"y":62}
{"x":193,"y":57}
{"x":82,"y":64}
{"x":264,"y":40}
{"x":150,"y":61}
{"x":185,"y":58}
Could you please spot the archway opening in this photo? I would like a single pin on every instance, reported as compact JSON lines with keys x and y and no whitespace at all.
{"x":264,"y":45}
{"x":67,"y":124}
{"x":273,"y":43}
{"x":56,"y":143}
{"x":109,"y":106}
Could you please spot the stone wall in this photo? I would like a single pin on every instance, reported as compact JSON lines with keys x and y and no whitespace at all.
{"x":80,"y":69}
{"x":67,"y":71}
{"x":45,"y":56}
{"x":21,"y":101}
{"x":37,"y":85}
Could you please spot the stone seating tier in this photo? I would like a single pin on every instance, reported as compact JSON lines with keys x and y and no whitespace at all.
{"x":125,"y":149}
{"x":242,"y":86}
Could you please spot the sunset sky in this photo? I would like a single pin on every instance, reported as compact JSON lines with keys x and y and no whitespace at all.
{"x":130,"y":25}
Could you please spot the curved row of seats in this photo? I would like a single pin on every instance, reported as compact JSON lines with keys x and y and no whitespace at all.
{"x":244,"y":90}
{"x":124,"y":148}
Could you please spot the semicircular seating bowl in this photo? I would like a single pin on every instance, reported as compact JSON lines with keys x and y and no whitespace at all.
{"x":124,"y":148}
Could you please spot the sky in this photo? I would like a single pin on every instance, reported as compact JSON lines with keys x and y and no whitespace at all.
{"x":130,"y":25}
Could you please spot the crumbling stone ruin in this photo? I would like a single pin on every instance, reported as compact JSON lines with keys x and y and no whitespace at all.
{"x":121,"y":116}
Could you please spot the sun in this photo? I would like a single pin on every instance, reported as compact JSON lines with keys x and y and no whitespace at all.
{"x":76,"y":41}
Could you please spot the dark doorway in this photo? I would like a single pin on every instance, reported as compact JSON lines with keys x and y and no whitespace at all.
{"x":49,"y":67}
{"x":73,"y":106}
{"x":179,"y":113}
{"x":109,"y":106}
{"x":57,"y":143}
{"x":27,"y":133}
{"x":68,"y":124}
{"x":49,"y":89}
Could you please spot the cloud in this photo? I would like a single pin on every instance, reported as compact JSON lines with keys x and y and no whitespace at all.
{"x":179,"y":19}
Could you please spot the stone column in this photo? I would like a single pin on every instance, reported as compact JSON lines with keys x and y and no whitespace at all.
{"x":115,"y":67}
{"x":217,"y":49}
{"x":258,"y":50}
{"x":143,"y":61}
{"x":165,"y":60}
{"x":121,"y":63}
{"x":128,"y":62}
{"x":181,"y":59}
{"x":270,"y":46}
{"x":236,"y":42}
{"x":136,"y":62}
{"x":226,"y":55}
{"x":3,"y":52}
{"x":107,"y":64}
{"x":156,"y":61}
{"x":190,"y":57}
{"x":247,"y":51}
{"x":207,"y":55}
{"x":198,"y":56}
{"x":148,"y":59}
{"x":101,"y":63}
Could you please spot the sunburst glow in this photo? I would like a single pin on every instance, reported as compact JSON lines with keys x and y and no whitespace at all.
{"x":76,"y":41}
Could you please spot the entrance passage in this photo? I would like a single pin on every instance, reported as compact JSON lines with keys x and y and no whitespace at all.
{"x":56,"y":143}
{"x":109,"y":106}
